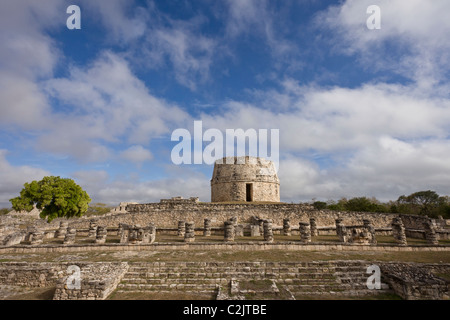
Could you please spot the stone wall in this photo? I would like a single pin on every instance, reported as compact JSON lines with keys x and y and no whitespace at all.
{"x":167,"y":214}
{"x":98,"y":279}
{"x":413,"y":221}
{"x":221,"y":246}
{"x":28,"y":274}
{"x":232,"y":175}
{"x":412,"y":282}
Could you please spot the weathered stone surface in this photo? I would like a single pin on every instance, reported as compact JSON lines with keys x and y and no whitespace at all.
{"x":430,"y":232}
{"x":398,"y":231}
{"x":137,"y":234}
{"x":239,"y":230}
{"x":97,"y":281}
{"x":229,"y":231}
{"x":93,"y":225}
{"x":313,"y":224}
{"x":268,"y":231}
{"x":359,"y":235}
{"x":341,"y":231}
{"x":14,"y":238}
{"x":166,"y":214}
{"x":70,"y":236}
{"x":207,"y":228}
{"x":371,"y":231}
{"x":102,"y":233}
{"x":181,"y":228}
{"x":287,"y":227}
{"x":244,"y":179}
{"x":305,"y":232}
{"x":416,"y":281}
{"x":189,"y":235}
{"x":61,"y":232}
{"x":254,"y":230}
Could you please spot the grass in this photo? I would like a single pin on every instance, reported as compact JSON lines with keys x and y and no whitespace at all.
{"x":35,"y":294}
{"x":199,"y":238}
{"x":255,"y":285}
{"x":179,"y":295}
{"x":381,"y":296}
{"x":445,"y":276}
{"x":231,"y":256}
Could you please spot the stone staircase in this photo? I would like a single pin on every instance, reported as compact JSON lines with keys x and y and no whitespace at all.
{"x":251,"y":280}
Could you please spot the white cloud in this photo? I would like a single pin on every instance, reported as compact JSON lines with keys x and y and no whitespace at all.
{"x":107,"y":103}
{"x":190,"y":53}
{"x":341,"y":119}
{"x":102,"y":188}
{"x":136,"y":154}
{"x":122,"y":21}
{"x":12,"y":178}
{"x":26,"y":54}
{"x":26,"y":49}
{"x":411,"y":40}
{"x":257,"y":17}
{"x":22,"y":102}
{"x":379,"y":140}
{"x":155,"y":40}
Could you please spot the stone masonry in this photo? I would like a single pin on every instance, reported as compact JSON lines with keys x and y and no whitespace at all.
{"x":244,"y":179}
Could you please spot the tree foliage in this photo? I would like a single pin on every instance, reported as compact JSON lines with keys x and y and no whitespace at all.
{"x":4,"y":211}
{"x":420,"y":203}
{"x":56,"y":197}
{"x":319,"y":205}
{"x":423,"y":203}
{"x":98,"y":209}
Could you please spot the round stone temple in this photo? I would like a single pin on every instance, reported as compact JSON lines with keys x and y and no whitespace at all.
{"x":247,"y":179}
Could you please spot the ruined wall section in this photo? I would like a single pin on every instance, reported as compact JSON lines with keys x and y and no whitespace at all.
{"x":167,"y":214}
{"x":231,"y":176}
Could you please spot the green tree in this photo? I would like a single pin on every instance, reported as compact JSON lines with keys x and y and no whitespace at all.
{"x":339,"y":206}
{"x":320,"y":205}
{"x":423,"y":203}
{"x":4,"y":211}
{"x":56,"y":197}
{"x":97,"y":209}
{"x":364,"y":204}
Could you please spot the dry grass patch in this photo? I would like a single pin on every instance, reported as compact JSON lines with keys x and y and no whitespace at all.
{"x":160,"y":296}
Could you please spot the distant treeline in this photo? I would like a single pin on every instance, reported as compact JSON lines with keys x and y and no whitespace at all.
{"x":420,"y":203}
{"x":96,"y":209}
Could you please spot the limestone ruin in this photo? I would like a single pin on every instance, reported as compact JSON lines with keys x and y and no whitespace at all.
{"x":245,"y":214}
{"x":247,"y":179}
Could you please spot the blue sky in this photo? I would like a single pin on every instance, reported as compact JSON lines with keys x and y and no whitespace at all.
{"x":360,"y":112}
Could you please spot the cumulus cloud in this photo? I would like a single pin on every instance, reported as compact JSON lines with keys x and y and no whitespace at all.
{"x":137,"y":154}
{"x":386,"y":170}
{"x":107,"y":104}
{"x":27,"y":53}
{"x":26,"y":49}
{"x":155,"y":40}
{"x":12,"y":178}
{"x":409,"y":42}
{"x":102,"y":188}
{"x":379,"y":139}
{"x":122,"y":19}
{"x":190,"y":53}
{"x":340,"y":118}
{"x":257,"y":17}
